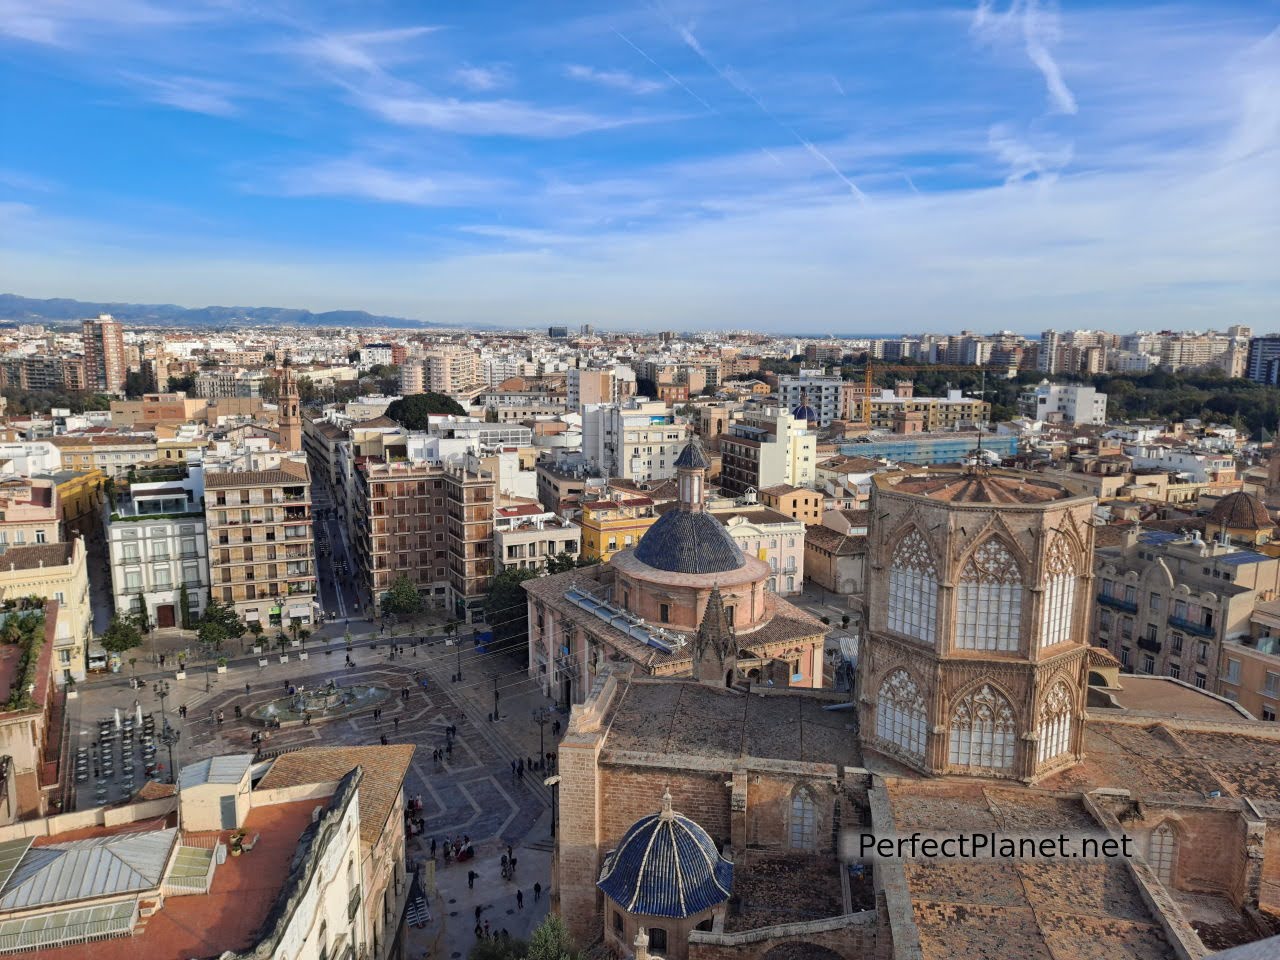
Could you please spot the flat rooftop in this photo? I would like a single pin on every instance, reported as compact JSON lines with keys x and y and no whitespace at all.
{"x":1166,"y":696}
{"x":663,"y":718}
{"x":783,"y":888}
{"x":1030,"y":909}
{"x":229,"y":916}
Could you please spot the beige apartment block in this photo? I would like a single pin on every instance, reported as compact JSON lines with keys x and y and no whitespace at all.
{"x":261,"y":544}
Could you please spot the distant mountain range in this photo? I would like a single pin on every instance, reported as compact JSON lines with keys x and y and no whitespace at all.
{"x":26,"y":310}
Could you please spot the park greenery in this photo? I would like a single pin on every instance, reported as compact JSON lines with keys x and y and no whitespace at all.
{"x":414,"y":412}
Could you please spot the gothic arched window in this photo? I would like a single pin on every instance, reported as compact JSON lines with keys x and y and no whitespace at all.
{"x":983,"y":731}
{"x":900,"y":714}
{"x":989,"y":600}
{"x":1055,"y":724}
{"x":913,"y":589}
{"x":803,"y":815}
{"x":1162,"y":853}
{"x":1059,"y":594}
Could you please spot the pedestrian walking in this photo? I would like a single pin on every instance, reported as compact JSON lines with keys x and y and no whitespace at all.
{"x":384,"y":740}
{"x":519,"y":899}
{"x":471,"y":879}
{"x":220,"y":718}
{"x":513,"y":769}
{"x":537,"y":887}
{"x":486,"y":929}
{"x":479,"y":930}
{"x":479,"y":910}
{"x":433,"y":848}
{"x":396,"y":721}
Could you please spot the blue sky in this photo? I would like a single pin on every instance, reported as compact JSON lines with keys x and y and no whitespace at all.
{"x":821,"y":166}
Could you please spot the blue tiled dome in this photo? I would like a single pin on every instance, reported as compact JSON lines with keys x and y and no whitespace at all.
{"x":666,"y":866}
{"x":689,"y":541}
{"x":806,"y":413}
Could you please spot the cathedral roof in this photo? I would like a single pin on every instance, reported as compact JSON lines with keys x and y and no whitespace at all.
{"x":1240,"y":511}
{"x":684,"y":541}
{"x":666,"y":866}
{"x":975,"y":487}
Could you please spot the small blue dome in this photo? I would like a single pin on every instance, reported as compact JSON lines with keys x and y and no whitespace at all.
{"x":806,"y":413}
{"x":666,"y":866}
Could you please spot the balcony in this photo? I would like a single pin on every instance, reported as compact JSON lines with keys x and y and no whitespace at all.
{"x":1126,"y":605}
{"x":1152,"y":646}
{"x":1187,"y":626}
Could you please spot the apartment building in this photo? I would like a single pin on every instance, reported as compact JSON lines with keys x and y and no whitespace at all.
{"x":112,"y":453}
{"x":1064,"y":403}
{"x":80,"y":500}
{"x":158,"y":547}
{"x":29,"y":512}
{"x":469,"y":506}
{"x":816,"y":389}
{"x":892,"y":410}
{"x":767,"y":448}
{"x":590,"y":385}
{"x":261,"y":544}
{"x":400,"y":528}
{"x":770,"y":536}
{"x":1249,"y":672}
{"x":525,"y":536}
{"x":104,"y":363}
{"x":798,"y":503}
{"x":55,"y":571}
{"x":561,"y":484}
{"x":1167,"y":602}
{"x":449,"y":369}
{"x":637,"y":441}
{"x":615,"y":522}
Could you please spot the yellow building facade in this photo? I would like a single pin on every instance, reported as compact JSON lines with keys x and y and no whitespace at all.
{"x":615,"y":524}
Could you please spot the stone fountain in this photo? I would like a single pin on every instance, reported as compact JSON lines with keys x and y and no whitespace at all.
{"x":327,"y":702}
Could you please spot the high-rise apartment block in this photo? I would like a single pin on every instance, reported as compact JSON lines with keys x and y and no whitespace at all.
{"x":104,"y":355}
{"x":261,"y":545}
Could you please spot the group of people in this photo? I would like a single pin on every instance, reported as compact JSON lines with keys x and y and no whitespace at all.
{"x":455,"y":848}
{"x":414,"y":823}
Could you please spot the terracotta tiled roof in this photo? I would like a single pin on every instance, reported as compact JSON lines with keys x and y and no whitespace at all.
{"x":258,"y":478}
{"x":1101,"y":657}
{"x":979,"y":488}
{"x":384,"y":772}
{"x":1240,"y":511}
{"x":36,"y":555}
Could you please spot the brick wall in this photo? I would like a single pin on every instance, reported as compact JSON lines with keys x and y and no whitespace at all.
{"x":629,"y":793}
{"x":578,"y":860}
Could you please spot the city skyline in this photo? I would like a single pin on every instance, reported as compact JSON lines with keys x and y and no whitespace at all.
{"x":944,"y":167}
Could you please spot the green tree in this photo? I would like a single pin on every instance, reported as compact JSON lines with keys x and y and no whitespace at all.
{"x":135,"y":384}
{"x":141,"y":618}
{"x":184,"y":607}
{"x":402,"y":598}
{"x":414,"y":412}
{"x":505,"y":608}
{"x":121,"y":634}
{"x":185,"y":383}
{"x":551,"y":941}
{"x":218,"y":624}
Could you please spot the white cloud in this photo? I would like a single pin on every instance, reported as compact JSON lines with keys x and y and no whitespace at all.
{"x":362,"y":180}
{"x":63,"y":23}
{"x":1038,"y":28}
{"x":369,"y":51}
{"x":616,"y":79}
{"x":481,"y":79}
{"x":489,"y":117}
{"x":193,"y":94}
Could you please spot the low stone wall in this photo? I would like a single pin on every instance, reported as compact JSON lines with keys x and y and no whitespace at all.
{"x":853,"y":936}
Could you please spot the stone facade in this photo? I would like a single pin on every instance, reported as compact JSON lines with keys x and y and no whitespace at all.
{"x":977,"y":619}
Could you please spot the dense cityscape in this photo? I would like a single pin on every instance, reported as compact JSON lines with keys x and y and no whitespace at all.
{"x":563,"y":598}
{"x":682,"y":480}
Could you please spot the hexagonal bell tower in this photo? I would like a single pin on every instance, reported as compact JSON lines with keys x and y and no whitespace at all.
{"x":977,"y":600}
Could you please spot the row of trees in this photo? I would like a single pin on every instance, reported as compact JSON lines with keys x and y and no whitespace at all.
{"x":550,"y":941}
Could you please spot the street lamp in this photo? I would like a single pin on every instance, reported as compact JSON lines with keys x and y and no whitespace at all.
{"x":552,"y":782}
{"x":162,"y":693}
{"x":540,"y":717}
{"x":169,"y":737}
